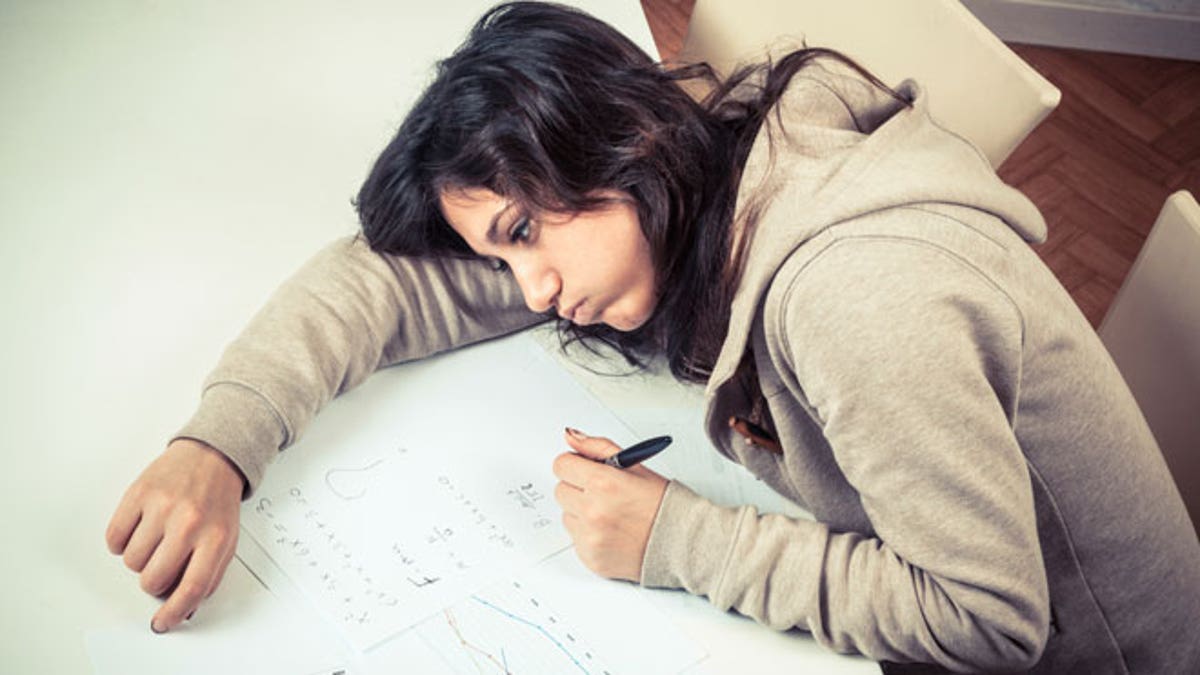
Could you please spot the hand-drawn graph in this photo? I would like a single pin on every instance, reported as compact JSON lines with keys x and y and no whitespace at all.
{"x":510,"y":629}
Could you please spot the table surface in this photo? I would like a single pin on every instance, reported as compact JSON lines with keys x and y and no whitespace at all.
{"x":163,"y":167}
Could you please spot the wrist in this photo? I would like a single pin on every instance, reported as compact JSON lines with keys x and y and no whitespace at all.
{"x":210,"y":459}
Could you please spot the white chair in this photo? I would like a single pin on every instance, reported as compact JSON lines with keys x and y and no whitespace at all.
{"x":977,"y":86}
{"x":1152,"y":331}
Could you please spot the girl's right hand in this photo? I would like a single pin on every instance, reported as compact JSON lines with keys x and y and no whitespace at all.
{"x":177,"y":526}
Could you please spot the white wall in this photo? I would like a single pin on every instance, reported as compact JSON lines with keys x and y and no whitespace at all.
{"x":1161,"y":6}
{"x":1163,"y":28}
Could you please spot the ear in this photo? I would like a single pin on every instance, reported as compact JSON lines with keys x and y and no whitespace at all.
{"x":592,"y":447}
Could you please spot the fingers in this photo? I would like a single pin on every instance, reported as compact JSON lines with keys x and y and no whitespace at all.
{"x":144,"y":542}
{"x":607,"y":512}
{"x":122,"y":525}
{"x":581,"y":467}
{"x":593,"y":447}
{"x":610,"y":526}
{"x":570,"y":498}
{"x":196,"y":552}
{"x":176,"y":563}
{"x":573,"y":526}
{"x":177,"y":526}
{"x":166,"y":566}
{"x":204,"y":566}
{"x":581,"y":471}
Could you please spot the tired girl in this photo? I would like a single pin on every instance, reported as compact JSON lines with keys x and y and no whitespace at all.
{"x":852,"y":283}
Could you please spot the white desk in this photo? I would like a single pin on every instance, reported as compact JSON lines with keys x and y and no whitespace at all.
{"x":163,"y":166}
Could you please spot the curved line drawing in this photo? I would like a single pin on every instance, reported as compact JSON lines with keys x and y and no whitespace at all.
{"x":537,"y":627}
{"x":349,"y":497}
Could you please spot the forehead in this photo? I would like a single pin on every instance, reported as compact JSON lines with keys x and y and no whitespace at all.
{"x":472,"y":212}
{"x":470,"y":201}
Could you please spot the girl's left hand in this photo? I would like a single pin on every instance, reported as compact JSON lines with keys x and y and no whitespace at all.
{"x":607,"y":511}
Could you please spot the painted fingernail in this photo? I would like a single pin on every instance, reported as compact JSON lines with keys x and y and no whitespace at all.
{"x":190,"y":615}
{"x":576,"y":433}
{"x":154,"y":628}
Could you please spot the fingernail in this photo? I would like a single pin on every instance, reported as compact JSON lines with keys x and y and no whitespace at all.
{"x":154,"y":628}
{"x":576,"y":433}
{"x":190,"y":615}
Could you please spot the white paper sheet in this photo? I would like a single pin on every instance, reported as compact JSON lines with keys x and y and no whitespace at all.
{"x":581,"y":623}
{"x":558,"y":618}
{"x":428,"y":483}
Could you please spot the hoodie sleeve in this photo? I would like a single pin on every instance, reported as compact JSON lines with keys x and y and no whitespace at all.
{"x":910,"y":360}
{"x":346,"y":313}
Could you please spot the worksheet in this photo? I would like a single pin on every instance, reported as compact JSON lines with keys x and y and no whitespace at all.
{"x":427,"y":484}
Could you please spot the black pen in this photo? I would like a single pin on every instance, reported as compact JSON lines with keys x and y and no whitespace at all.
{"x":639,"y":452}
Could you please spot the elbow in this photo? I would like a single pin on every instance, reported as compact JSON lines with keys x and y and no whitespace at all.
{"x":1018,"y":648}
{"x":998,"y":627}
{"x":1011,"y":642}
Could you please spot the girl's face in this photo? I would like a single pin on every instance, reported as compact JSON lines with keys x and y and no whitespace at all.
{"x":589,"y":267}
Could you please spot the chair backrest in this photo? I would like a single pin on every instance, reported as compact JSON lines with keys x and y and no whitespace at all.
{"x":1152,"y":331}
{"x":977,"y":86}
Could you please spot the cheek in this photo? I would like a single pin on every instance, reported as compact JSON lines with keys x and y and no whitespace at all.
{"x":641,"y":292}
{"x":641,"y":259}
{"x":647,"y":274}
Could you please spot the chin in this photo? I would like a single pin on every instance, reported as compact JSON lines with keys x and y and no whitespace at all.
{"x":626,"y":324}
{"x":626,"y":316}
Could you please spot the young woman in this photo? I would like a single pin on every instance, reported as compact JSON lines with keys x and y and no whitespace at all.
{"x":852,"y":282}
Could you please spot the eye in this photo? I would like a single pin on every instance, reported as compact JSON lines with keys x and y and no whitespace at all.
{"x":520,"y":231}
{"x":498,"y":265}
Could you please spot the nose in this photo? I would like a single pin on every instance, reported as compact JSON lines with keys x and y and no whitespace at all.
{"x":540,"y":284}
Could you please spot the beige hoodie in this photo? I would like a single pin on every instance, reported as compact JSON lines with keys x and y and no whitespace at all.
{"x":988,"y":496}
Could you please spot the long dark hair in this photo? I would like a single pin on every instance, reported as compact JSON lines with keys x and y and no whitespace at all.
{"x":547,"y":106}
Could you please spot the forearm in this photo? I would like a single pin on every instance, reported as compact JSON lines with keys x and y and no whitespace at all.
{"x":347,"y":312}
{"x":852,"y":592}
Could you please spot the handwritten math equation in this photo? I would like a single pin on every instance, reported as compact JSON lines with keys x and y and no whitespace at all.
{"x":311,"y":544}
{"x":369,"y":554}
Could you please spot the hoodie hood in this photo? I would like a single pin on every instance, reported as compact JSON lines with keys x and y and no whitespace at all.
{"x":835,"y":148}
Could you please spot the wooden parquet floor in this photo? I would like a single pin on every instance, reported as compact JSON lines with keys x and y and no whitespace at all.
{"x":1126,"y":135}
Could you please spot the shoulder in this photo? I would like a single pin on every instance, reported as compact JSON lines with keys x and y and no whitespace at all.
{"x":844,"y":292}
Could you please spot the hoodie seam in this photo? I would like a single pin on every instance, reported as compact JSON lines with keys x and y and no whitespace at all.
{"x":275,"y":410}
{"x":1076,"y":564}
{"x":978,"y":153}
{"x":932,"y":212}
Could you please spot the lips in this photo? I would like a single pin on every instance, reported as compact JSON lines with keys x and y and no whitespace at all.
{"x":569,"y":314}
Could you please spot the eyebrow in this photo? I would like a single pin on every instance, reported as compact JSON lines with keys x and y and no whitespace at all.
{"x":492,"y":236}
